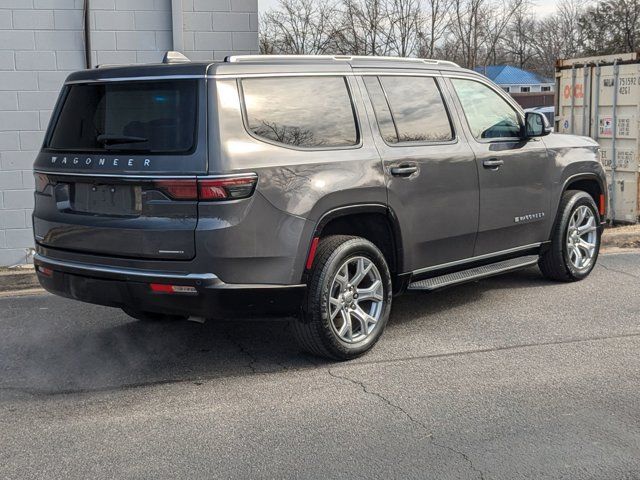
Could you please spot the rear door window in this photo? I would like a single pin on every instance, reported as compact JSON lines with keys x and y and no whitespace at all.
{"x":132,"y":117}
{"x":413,"y":106}
{"x":304,"y":112}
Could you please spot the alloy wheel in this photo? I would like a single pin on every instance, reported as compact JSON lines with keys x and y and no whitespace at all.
{"x":582,"y":237}
{"x":356,"y":300}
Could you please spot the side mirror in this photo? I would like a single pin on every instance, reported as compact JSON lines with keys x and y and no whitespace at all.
{"x":536,"y":125}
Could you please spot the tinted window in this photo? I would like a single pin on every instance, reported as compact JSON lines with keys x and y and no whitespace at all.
{"x":381,"y":108}
{"x":417,"y":108}
{"x":488,"y":114}
{"x":149,"y":117}
{"x":304,"y":112}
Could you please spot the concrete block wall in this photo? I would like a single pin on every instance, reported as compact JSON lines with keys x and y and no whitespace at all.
{"x":41,"y":42}
{"x":214,"y":29}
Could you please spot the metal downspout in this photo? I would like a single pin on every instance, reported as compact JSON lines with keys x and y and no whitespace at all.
{"x":585,"y":78}
{"x":573,"y":98}
{"x":177,"y":26}
{"x":614,"y":132}
{"x":596,"y":110}
{"x":87,"y":34}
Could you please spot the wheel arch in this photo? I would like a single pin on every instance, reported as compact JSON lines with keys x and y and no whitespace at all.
{"x":589,"y":183}
{"x":376,"y":222}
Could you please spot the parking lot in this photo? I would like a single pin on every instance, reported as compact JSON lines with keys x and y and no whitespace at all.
{"x":511,"y":377}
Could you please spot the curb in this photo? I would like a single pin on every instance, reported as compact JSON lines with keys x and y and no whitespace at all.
{"x":621,"y":240}
{"x":15,"y":279}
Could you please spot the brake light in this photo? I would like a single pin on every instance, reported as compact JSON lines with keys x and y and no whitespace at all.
{"x":226,"y":188}
{"x":208,"y":189}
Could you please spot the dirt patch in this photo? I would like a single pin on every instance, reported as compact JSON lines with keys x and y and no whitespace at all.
{"x":627,"y":236}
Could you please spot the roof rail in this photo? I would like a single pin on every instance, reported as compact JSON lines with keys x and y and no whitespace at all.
{"x":344,"y":58}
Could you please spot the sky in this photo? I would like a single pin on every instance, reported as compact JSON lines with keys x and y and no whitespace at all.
{"x":543,"y":7}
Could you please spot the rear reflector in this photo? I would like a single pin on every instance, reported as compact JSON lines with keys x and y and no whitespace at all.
{"x":312,"y":252}
{"x":208,"y":189}
{"x":163,"y":288}
{"x":602,"y":207}
{"x":47,"y":272}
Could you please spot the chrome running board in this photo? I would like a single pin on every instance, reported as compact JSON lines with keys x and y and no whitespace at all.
{"x":474,"y":273}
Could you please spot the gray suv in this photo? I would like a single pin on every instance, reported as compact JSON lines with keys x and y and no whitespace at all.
{"x":312,"y":187}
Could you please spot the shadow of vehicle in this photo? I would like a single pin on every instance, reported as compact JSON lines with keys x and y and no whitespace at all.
{"x":69,"y":347}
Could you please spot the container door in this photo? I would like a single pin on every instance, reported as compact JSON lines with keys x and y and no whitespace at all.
{"x":618,"y":97}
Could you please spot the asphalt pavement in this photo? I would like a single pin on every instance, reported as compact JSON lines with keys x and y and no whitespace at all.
{"x":511,"y":377}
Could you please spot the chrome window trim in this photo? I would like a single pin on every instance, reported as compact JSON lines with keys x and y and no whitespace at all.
{"x":143,"y":176}
{"x":476,"y":259}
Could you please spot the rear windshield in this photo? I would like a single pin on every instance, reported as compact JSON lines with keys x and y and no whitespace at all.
{"x":129,"y":117}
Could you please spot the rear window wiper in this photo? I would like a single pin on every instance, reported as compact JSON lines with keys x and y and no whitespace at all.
{"x":107,"y":139}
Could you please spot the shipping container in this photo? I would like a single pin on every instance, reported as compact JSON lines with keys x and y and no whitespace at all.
{"x":599,"y":97}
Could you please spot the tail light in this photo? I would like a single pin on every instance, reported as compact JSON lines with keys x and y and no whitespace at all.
{"x":209,"y":189}
{"x":226,"y":188}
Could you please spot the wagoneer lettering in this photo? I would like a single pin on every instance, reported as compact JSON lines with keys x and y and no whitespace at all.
{"x":316,"y":188}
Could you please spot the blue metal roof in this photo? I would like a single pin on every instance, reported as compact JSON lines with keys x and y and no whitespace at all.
{"x":508,"y":75}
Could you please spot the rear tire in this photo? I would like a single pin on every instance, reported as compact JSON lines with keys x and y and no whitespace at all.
{"x":152,"y":317}
{"x":348,"y":299}
{"x":575,"y":241}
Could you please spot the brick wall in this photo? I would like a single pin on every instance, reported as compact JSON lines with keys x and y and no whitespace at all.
{"x":41,"y":41}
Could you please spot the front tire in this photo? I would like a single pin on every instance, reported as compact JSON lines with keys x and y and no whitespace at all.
{"x":348,"y":299}
{"x":575,"y":242}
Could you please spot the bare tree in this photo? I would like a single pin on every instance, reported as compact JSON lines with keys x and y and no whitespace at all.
{"x":364,"y":28}
{"x":299,"y":27}
{"x":471,"y":32}
{"x":518,"y":44}
{"x":405,"y":17}
{"x":568,"y":22}
{"x":436,"y":22}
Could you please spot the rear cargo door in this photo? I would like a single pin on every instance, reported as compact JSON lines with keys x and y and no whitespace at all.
{"x":117,"y":173}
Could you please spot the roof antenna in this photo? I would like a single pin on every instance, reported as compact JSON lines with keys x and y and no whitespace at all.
{"x":174,"y":57}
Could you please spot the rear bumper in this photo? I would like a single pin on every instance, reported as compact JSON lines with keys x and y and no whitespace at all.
{"x":119,"y":287}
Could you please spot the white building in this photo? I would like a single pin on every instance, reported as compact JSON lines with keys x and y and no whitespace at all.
{"x":41,"y":41}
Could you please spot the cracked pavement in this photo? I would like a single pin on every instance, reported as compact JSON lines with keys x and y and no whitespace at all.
{"x":510,"y":377}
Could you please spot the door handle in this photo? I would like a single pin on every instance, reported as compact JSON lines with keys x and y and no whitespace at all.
{"x":403,"y":170}
{"x":493,"y":163}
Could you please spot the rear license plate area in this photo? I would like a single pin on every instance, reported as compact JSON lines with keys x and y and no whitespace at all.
{"x":107,"y":200}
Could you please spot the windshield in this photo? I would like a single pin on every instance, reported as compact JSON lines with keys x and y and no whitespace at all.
{"x":127,"y":117}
